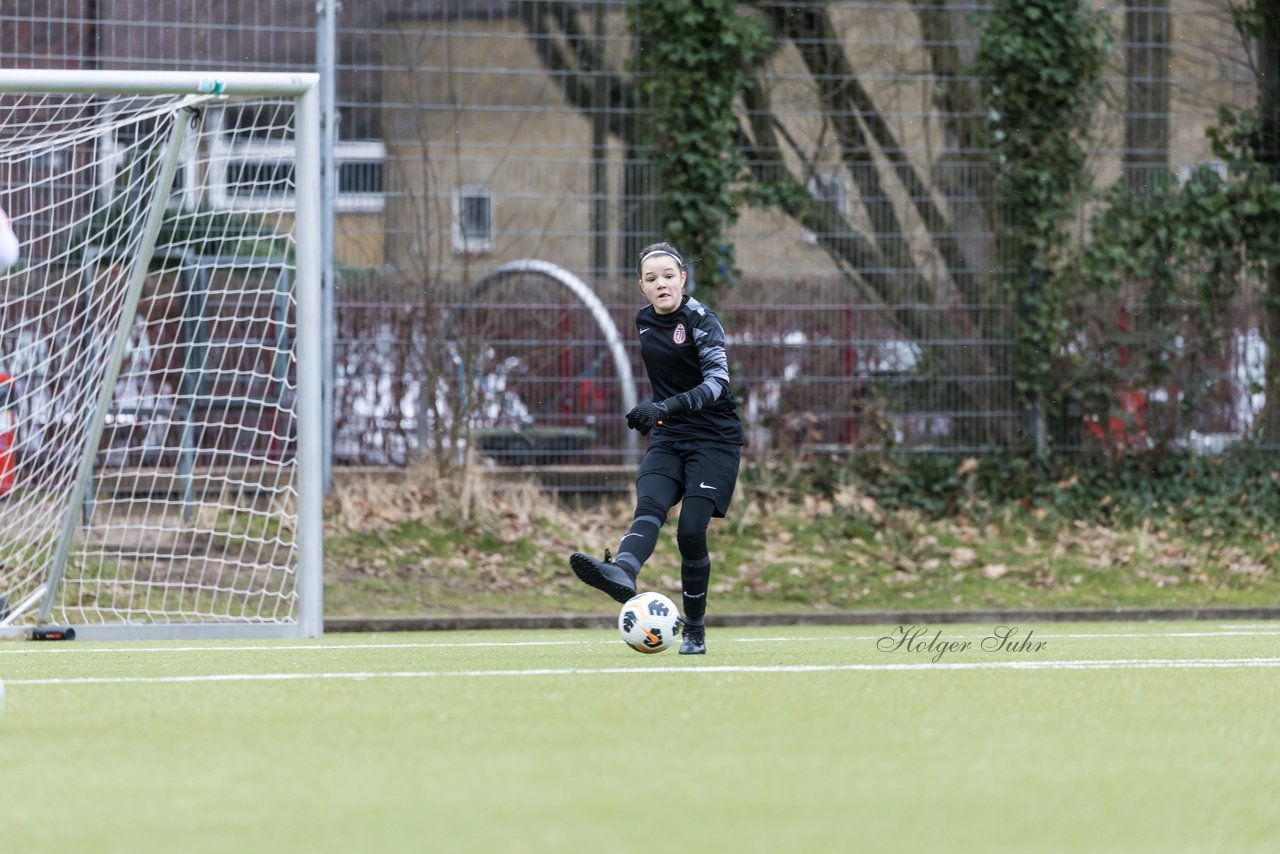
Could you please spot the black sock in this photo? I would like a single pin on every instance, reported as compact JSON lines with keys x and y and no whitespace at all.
{"x":695,"y":575}
{"x":695,"y":559}
{"x":638,"y":544}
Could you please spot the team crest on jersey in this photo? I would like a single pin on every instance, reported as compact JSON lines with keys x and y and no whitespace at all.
{"x":679,"y":336}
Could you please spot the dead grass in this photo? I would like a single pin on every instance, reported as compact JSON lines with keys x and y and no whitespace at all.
{"x":424,"y":544}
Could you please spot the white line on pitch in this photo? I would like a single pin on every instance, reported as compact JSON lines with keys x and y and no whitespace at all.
{"x":947,"y":629}
{"x":64,"y":648}
{"x":1114,"y":635}
{"x":1120,"y":664}
{"x":325,"y":647}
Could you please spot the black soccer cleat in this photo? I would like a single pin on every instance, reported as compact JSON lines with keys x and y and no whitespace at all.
{"x":604,"y":575}
{"x":695,"y":639}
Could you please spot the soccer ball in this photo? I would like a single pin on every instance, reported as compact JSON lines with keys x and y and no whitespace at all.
{"x":649,"y":622}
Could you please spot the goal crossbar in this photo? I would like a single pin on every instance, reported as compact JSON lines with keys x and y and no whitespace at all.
{"x":241,"y":83}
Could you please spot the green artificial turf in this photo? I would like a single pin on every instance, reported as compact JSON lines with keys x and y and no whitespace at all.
{"x":1115,"y":737}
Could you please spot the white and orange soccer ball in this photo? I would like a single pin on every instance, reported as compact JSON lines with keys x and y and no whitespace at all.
{"x":649,"y":622}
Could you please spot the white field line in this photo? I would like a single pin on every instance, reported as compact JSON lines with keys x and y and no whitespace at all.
{"x":1119,"y":664}
{"x":947,"y":630}
{"x":320,"y":647}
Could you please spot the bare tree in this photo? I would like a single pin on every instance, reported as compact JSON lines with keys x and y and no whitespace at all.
{"x":895,"y":192}
{"x":1268,"y":153}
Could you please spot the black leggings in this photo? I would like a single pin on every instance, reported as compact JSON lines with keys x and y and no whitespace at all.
{"x":656,"y":494}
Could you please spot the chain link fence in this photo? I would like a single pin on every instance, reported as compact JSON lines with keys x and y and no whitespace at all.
{"x":473,"y":133}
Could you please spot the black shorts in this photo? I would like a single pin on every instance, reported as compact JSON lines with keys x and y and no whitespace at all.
{"x":708,"y":469}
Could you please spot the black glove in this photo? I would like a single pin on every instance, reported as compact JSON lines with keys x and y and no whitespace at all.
{"x":645,"y":416}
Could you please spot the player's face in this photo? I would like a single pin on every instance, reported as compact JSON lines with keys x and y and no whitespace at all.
{"x":662,"y":281}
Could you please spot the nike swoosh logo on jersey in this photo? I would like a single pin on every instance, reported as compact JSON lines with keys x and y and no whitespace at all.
{"x":705,"y":485}
{"x":643,"y":331}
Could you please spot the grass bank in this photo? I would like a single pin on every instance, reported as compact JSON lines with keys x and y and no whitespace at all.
{"x":430,"y":546}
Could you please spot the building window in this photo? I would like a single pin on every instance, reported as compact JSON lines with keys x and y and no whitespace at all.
{"x":472,"y":219}
{"x":255,"y":170}
{"x":828,"y":187}
{"x":1186,"y":170}
{"x":121,"y":165}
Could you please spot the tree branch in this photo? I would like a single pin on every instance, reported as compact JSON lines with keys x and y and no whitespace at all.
{"x":922,"y":321}
{"x":578,"y":85}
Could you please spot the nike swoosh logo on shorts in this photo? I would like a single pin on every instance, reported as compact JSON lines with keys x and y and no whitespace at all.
{"x":705,"y":485}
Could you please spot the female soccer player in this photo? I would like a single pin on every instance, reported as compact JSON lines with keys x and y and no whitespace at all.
{"x":696,"y":442}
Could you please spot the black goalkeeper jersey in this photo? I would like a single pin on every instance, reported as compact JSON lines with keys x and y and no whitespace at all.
{"x":684,"y":355}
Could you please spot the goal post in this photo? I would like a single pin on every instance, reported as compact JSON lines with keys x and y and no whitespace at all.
{"x":161,"y":448}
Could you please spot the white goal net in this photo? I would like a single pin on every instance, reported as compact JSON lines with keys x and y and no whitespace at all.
{"x":159,"y":376}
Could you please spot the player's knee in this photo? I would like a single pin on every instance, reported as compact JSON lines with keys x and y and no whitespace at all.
{"x":692,"y":543}
{"x":652,"y":508}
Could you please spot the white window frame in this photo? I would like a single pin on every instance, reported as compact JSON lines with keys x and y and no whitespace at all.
{"x":223,"y":153}
{"x":111,"y":160}
{"x":462,"y":242}
{"x":1186,"y":169}
{"x":820,"y":186}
